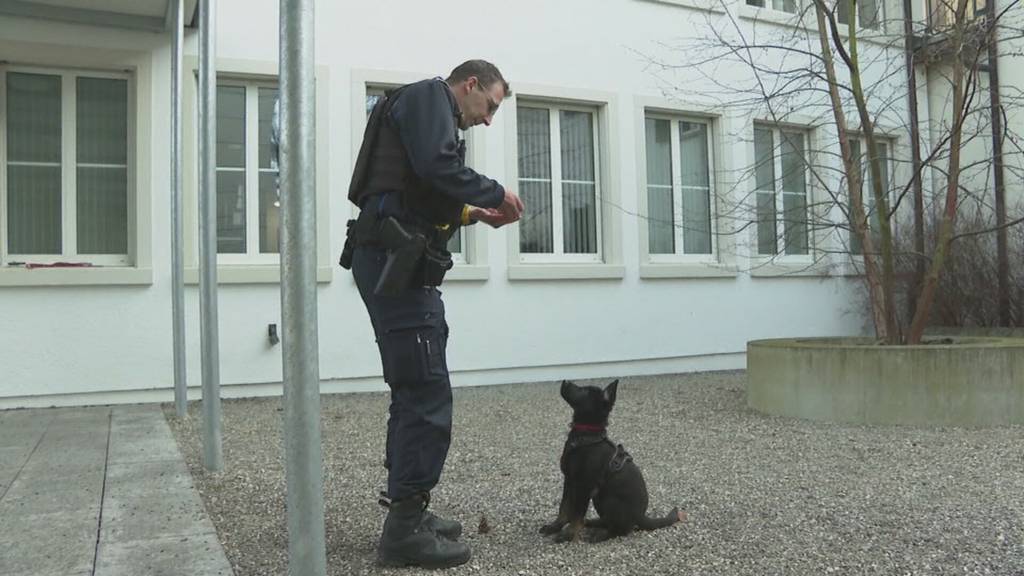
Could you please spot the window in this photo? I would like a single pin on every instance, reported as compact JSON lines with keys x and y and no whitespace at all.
{"x":863,"y":166}
{"x":942,"y":13}
{"x":780,"y":176}
{"x":870,"y":13}
{"x":780,"y":5}
{"x":679,"y":165}
{"x":373,"y":94}
{"x":559,"y":182}
{"x":65,"y":194}
{"x":248,"y":210}
{"x":248,"y":220}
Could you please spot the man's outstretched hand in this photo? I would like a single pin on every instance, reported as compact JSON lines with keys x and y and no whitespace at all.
{"x":491,"y":216}
{"x":511,"y":210}
{"x":511,"y":206}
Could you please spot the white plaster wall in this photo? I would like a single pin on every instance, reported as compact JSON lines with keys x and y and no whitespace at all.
{"x":80,"y":344}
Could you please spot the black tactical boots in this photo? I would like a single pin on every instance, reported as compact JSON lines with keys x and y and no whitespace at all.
{"x":413,"y":536}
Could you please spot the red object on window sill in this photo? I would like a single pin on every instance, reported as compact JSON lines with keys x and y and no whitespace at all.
{"x":30,"y":265}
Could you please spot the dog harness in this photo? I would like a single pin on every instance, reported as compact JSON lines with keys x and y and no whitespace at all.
{"x":615,"y":463}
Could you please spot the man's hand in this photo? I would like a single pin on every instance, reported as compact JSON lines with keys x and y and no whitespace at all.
{"x":511,"y":210}
{"x":511,"y":206}
{"x":493,"y":217}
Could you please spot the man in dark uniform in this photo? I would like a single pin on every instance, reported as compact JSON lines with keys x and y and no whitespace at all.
{"x":414,"y":190}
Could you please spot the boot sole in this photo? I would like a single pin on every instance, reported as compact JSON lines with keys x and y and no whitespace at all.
{"x":405,"y":563}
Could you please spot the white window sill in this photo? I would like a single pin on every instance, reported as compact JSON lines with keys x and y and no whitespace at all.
{"x":687,"y":270}
{"x":810,"y":24}
{"x":749,"y":12}
{"x":97,"y":275}
{"x":266,"y":274}
{"x":769,"y":269}
{"x":850,"y":266}
{"x":702,"y":5}
{"x":565,"y":271}
{"x":467,"y":272}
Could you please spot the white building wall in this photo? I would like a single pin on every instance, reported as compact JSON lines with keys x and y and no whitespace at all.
{"x":1011,"y":80}
{"x":112,"y":343}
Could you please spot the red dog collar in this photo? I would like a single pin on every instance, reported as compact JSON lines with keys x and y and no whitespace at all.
{"x":587,"y":428}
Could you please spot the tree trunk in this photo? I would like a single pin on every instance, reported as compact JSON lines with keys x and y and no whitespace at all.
{"x":943,"y":242}
{"x":915,"y":153}
{"x":888,"y":279}
{"x":858,"y":219}
{"x":1002,"y":258}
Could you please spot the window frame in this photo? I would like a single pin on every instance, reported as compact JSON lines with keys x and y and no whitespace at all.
{"x":940,"y":16}
{"x":802,"y":18}
{"x":767,"y":5}
{"x":251,"y":271}
{"x":558,"y":254}
{"x":252,"y":171}
{"x":880,"y":17}
{"x":680,"y":255}
{"x":608,"y":170}
{"x":779,"y":195}
{"x":724,"y":261}
{"x":68,"y":165}
{"x":890,"y":144}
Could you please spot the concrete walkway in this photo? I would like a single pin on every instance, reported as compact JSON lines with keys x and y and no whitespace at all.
{"x":99,"y":491}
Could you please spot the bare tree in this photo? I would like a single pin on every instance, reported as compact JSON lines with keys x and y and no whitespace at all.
{"x":859,"y":96}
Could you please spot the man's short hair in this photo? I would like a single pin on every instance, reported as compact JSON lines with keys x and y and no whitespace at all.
{"x":485,"y":72}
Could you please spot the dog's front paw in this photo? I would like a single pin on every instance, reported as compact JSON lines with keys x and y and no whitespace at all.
{"x":567,"y":535}
{"x":552,"y":528}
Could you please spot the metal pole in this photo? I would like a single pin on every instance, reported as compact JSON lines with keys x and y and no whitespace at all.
{"x":213,"y":458}
{"x":177,"y":282}
{"x":304,"y":472}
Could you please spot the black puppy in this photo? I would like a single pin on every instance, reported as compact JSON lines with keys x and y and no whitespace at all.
{"x":596,"y":468}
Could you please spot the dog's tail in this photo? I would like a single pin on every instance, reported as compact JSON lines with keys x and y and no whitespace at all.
{"x":648,"y":523}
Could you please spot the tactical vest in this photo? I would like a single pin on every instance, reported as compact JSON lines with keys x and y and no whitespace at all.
{"x":383,"y":167}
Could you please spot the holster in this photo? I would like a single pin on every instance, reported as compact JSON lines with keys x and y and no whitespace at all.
{"x":345,"y":260}
{"x":405,"y":251}
{"x":363,"y":230}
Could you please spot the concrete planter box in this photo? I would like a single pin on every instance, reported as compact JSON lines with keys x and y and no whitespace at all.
{"x":975,"y":331}
{"x":975,"y":381}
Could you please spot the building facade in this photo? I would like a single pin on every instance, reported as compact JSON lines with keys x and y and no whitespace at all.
{"x":634,"y":257}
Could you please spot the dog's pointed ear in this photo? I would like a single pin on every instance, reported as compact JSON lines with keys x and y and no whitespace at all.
{"x":609,"y":391}
{"x":566,"y":388}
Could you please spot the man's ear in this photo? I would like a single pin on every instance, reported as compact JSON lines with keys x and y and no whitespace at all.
{"x":609,"y":391}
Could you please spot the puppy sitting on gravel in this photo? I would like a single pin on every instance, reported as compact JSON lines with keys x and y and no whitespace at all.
{"x":596,"y":468}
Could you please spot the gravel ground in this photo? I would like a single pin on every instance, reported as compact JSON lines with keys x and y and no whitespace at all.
{"x":764,"y":495}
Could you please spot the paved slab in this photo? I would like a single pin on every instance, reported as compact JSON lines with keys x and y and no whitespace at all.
{"x":99,"y":491}
{"x":175,"y":556}
{"x":47,"y":544}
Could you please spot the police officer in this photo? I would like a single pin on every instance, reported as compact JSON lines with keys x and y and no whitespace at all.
{"x":414,"y":190}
